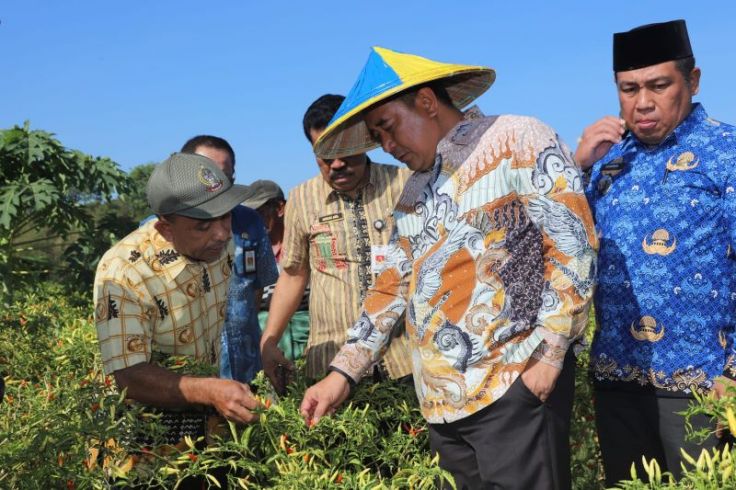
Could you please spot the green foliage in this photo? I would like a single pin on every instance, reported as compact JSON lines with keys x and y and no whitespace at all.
{"x":45,"y":191}
{"x":63,"y":425}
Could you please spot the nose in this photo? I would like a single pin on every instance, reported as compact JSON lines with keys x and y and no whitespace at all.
{"x":222,"y":230}
{"x":337,"y":164}
{"x":644,"y":101}
{"x":387,"y":143}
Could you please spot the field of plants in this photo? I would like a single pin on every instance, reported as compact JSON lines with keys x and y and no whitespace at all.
{"x":63,"y":425}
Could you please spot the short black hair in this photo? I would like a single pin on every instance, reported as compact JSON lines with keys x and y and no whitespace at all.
{"x":208,"y":141}
{"x":685,"y":66}
{"x":440,"y":91}
{"x":320,"y":112}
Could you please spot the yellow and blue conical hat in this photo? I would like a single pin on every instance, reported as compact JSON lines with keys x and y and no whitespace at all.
{"x":386,"y":73}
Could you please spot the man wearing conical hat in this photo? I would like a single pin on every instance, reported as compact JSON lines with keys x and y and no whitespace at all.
{"x":492,"y":258}
{"x":662,"y":193}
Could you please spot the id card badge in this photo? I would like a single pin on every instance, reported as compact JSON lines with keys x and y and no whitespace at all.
{"x":249,"y":261}
{"x":380,"y":260}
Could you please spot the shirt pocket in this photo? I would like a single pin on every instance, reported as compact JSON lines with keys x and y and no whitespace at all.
{"x":327,"y":244}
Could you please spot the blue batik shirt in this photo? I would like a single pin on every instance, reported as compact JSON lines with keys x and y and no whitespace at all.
{"x":254,"y":268}
{"x":666,"y":217}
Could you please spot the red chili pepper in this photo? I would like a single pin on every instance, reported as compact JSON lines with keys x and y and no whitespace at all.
{"x":70,"y":485}
{"x":339,"y":478}
{"x":94,"y":407}
{"x":192,"y":457}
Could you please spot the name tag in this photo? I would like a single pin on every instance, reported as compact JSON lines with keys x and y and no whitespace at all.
{"x":614,"y":167}
{"x":249,"y":261}
{"x":330,"y":217}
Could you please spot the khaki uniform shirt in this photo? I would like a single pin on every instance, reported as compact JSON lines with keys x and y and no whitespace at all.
{"x":152,"y":302}
{"x":342,"y":242}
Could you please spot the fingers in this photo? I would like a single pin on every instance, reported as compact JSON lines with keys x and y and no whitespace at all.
{"x":307,"y":407}
{"x":597,"y":139}
{"x":235,"y":401}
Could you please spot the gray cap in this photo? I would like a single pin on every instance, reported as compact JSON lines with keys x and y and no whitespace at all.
{"x":261,"y":191}
{"x":192,"y":185}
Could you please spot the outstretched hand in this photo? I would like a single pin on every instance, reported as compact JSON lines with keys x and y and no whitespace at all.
{"x":324,"y":397}
{"x":233,"y":400}
{"x":277,"y":368}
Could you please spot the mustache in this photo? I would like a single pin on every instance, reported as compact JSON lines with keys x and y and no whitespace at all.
{"x":343,"y":172}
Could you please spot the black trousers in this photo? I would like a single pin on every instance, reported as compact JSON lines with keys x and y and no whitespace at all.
{"x":632,"y":425}
{"x":517,"y":442}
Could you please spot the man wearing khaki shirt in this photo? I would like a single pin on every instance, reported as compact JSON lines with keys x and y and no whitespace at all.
{"x":162,"y":291}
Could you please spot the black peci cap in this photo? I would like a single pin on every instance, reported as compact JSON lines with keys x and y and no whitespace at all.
{"x":650,"y":44}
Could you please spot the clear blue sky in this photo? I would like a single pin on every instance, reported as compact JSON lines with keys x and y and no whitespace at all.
{"x":134,"y":80}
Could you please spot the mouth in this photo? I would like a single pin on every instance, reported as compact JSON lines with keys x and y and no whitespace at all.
{"x":340,"y":178}
{"x":646,"y":124}
{"x":402,"y":157}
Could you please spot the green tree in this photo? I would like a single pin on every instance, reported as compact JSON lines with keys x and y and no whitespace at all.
{"x":47,"y":193}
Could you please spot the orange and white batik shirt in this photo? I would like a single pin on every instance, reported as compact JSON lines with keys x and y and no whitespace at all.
{"x":493,"y":257}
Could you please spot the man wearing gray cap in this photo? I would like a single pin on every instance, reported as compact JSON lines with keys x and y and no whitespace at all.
{"x":662,"y":194}
{"x":162,"y":291}
{"x":266,"y":197}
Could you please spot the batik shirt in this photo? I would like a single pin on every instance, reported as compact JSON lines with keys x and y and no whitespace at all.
{"x":492,"y":257}
{"x":666,"y":216}
{"x":341,"y":241}
{"x":254,"y":268}
{"x":152,"y":302}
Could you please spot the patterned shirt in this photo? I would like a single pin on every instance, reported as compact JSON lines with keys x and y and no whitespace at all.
{"x":152,"y":302}
{"x":341,"y":240}
{"x":666,"y":216}
{"x":492,"y":257}
{"x":254,"y":268}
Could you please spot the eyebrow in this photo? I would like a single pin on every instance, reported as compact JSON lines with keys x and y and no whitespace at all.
{"x":381,"y":122}
{"x":650,"y":81}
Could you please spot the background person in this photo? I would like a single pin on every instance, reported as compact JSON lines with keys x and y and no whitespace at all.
{"x":254,"y":268}
{"x":267,"y":198}
{"x":336,"y":232}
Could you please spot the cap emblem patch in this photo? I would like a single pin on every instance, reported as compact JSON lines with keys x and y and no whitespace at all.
{"x":209,"y":179}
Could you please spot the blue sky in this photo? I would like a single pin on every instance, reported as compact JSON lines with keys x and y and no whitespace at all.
{"x":134,"y":80}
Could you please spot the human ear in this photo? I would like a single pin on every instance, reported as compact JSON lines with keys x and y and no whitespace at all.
{"x":694,"y":81}
{"x":163,"y":226}
{"x":426,"y":100}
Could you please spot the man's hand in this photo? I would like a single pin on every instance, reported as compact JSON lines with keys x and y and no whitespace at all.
{"x":277,"y":368}
{"x":153,"y":385}
{"x":540,"y":378}
{"x":233,"y":400}
{"x":597,"y":139}
{"x":324,"y":397}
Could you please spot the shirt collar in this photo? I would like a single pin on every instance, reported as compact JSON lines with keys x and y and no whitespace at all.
{"x":167,"y":259}
{"x":332,"y":194}
{"x":460,"y":134}
{"x":688,"y":125}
